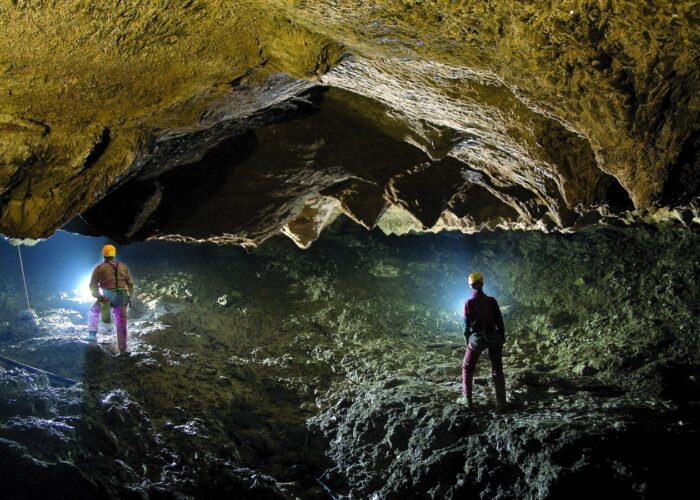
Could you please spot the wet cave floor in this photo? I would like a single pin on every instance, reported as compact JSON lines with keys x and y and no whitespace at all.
{"x":336,"y":371}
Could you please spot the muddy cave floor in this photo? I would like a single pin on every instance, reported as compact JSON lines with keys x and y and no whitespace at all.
{"x":336,"y":371}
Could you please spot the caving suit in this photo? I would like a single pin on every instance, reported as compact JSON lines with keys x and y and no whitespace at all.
{"x":484,"y":329}
{"x":117,"y":287}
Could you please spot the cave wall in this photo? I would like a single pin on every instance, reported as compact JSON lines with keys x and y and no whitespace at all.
{"x":619,"y":73}
{"x":532,"y":104}
{"x":343,"y":362}
{"x":98,"y":81}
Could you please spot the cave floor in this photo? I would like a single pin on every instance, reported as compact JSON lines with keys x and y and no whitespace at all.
{"x":336,"y":372}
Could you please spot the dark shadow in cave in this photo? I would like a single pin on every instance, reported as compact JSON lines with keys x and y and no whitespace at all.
{"x":614,"y":195}
{"x":163,"y":190}
{"x":143,"y":207}
{"x":252,"y":183}
{"x":254,"y":176}
{"x":683,"y":181}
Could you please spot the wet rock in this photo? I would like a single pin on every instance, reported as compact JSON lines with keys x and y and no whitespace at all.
{"x":385,"y":270}
{"x":583,"y":369}
{"x":224,"y":479}
{"x":392,"y":443}
{"x":320,"y":362}
{"x":33,"y":478}
{"x":50,"y":440}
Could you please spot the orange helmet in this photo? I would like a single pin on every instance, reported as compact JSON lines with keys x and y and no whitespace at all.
{"x":109,"y":251}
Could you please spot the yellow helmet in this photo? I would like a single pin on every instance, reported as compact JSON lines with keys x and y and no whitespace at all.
{"x":475,"y":278}
{"x":109,"y":251}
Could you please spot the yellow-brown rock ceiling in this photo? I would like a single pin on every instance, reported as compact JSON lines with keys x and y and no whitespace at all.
{"x":511,"y":113}
{"x":606,"y":68}
{"x":72,"y":69}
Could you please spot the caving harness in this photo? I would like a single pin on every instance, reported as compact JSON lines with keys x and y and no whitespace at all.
{"x":105,"y":302}
{"x":116,"y":280}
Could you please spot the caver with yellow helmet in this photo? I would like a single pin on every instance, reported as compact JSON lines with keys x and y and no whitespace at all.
{"x":476,"y":280}
{"x":112,"y":286}
{"x":483,"y":329}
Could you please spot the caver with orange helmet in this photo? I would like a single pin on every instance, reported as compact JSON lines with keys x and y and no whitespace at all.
{"x":483,"y":329}
{"x":109,"y":251}
{"x":112,"y":286}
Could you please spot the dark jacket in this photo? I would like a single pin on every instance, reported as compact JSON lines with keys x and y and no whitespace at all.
{"x":483,"y":321}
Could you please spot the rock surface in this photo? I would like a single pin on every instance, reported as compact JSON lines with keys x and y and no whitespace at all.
{"x":437,"y":115}
{"x":338,"y":369}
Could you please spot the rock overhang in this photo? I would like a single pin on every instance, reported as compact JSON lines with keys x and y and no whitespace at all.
{"x":405,"y":115}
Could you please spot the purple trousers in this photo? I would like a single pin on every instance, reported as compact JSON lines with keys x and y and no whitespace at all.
{"x":120,"y":313}
{"x":471,"y":358}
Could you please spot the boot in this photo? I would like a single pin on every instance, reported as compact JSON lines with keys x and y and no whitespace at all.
{"x":121,"y":341}
{"x":499,"y":384}
{"x":92,"y":336}
{"x":465,"y":400}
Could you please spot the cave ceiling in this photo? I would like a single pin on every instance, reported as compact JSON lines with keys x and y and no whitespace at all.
{"x":212,"y":120}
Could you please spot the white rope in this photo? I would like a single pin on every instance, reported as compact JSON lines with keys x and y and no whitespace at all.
{"x":21,"y":266}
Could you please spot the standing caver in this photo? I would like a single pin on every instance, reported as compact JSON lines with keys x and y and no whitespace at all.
{"x":483,"y":330}
{"x":111,"y":285}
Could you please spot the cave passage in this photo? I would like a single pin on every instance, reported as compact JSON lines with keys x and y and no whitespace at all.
{"x":336,"y":371}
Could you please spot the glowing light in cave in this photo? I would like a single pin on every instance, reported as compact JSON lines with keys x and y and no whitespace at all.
{"x":454,"y":302}
{"x":82,"y":293}
{"x":458,"y":307}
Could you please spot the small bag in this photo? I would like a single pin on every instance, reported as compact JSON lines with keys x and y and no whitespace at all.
{"x":106,"y":311}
